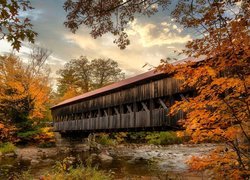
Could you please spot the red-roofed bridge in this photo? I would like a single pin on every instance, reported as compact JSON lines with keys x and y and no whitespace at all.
{"x":137,"y":103}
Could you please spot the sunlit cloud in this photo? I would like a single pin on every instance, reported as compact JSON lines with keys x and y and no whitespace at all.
{"x":157,"y":34}
{"x":151,"y":40}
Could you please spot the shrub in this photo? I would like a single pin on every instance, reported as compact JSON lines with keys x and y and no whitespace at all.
{"x":137,"y":137}
{"x":45,"y":138}
{"x":104,"y":139}
{"x":7,"y":148}
{"x":120,"y":137}
{"x":163,"y":138}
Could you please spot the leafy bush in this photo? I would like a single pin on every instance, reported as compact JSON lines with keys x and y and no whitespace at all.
{"x":119,"y":137}
{"x":27,"y":136}
{"x":46,"y":137}
{"x":7,"y":132}
{"x":7,"y":148}
{"x":163,"y":138}
{"x":104,"y":139}
{"x":137,"y":137}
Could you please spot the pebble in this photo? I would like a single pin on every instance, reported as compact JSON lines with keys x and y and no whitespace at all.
{"x":10,"y":155}
{"x":34,"y":162}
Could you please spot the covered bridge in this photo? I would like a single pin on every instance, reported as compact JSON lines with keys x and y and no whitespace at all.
{"x":136,"y":103}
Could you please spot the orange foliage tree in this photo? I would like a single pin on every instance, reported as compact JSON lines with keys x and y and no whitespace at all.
{"x":7,"y":132}
{"x":220,"y":109}
{"x":24,"y":89}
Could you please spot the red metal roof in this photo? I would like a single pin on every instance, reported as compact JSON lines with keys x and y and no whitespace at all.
{"x":119,"y":84}
{"x":113,"y":86}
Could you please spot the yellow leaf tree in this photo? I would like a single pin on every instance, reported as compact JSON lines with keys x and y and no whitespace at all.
{"x":219,"y":111}
{"x":25,"y":88}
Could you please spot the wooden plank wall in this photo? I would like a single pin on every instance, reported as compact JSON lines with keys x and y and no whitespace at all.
{"x":96,"y":113}
{"x":153,"y":89}
{"x":126,"y":121}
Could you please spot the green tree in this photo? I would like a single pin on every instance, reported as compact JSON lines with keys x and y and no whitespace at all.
{"x":104,"y":72}
{"x":12,"y":27}
{"x":81,"y":75}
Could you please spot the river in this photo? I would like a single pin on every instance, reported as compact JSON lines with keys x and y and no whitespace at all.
{"x":131,"y":161}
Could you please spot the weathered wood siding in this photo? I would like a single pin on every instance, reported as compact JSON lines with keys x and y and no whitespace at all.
{"x":136,"y":106}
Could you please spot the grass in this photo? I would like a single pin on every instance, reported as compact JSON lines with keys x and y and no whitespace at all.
{"x":67,"y":171}
{"x":87,"y":173}
{"x":7,"y":148}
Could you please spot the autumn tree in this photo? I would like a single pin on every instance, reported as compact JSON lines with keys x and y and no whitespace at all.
{"x":13,"y":28}
{"x":82,"y":75}
{"x":220,"y":110}
{"x":24,"y":89}
{"x":109,"y":16}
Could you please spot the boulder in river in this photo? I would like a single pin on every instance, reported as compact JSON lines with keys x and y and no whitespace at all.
{"x":104,"y":156}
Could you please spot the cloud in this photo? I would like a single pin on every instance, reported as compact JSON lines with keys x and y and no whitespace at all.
{"x":151,"y":39}
{"x":157,"y":34}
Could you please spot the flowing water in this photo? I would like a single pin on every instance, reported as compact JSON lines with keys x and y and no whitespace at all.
{"x":133,"y":163}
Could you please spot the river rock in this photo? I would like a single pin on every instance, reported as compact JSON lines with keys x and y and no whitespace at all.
{"x":81,"y":147}
{"x":26,"y":159}
{"x":10,"y":155}
{"x":48,"y":161}
{"x":34,"y":162}
{"x":93,"y":156}
{"x":105,"y":157}
{"x":7,"y":166}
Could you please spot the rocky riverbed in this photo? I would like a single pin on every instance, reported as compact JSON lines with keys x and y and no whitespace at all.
{"x":130,"y":160}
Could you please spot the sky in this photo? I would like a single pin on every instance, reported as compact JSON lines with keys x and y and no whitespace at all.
{"x":151,"y":39}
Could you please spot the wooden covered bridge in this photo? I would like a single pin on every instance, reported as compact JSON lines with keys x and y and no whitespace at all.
{"x":137,"y":103}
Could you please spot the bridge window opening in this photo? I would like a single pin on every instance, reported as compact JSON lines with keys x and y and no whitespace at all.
{"x":139,"y":106}
{"x":179,"y":97}
{"x":163,"y":102}
{"x":143,"y":105}
{"x":78,"y":116}
{"x":90,"y":114}
{"x":82,"y":116}
{"x":104,"y":112}
{"x":95,"y":113}
{"x":85,"y":115}
{"x":128,"y":108}
{"x":157,"y":104}
{"x":114,"y":110}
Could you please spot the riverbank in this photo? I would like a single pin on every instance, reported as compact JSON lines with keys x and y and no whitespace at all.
{"x":123,"y":161}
